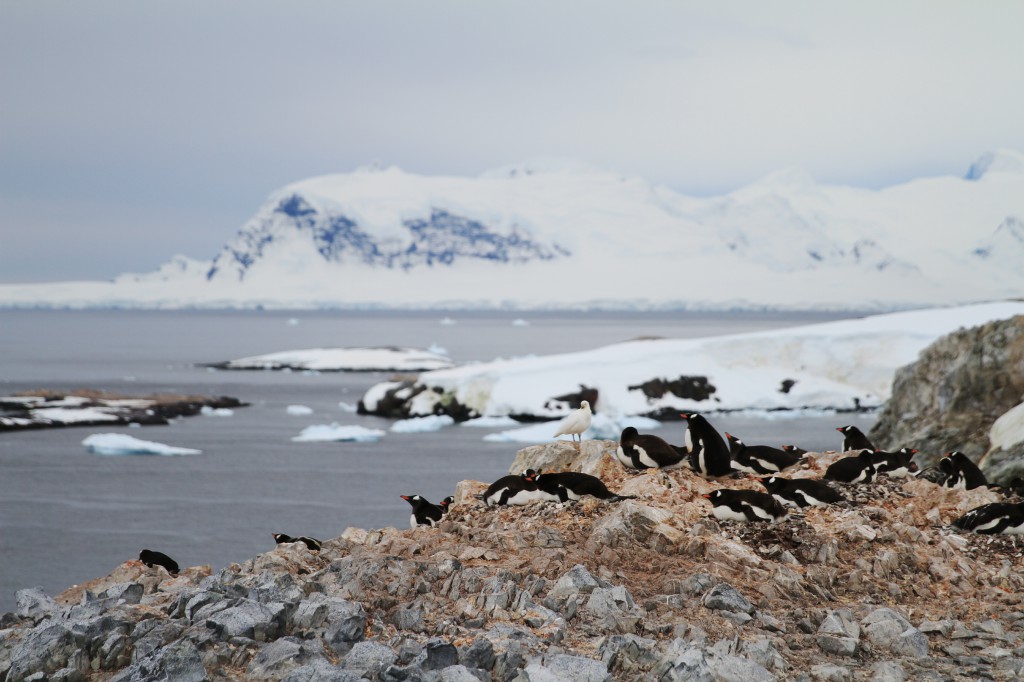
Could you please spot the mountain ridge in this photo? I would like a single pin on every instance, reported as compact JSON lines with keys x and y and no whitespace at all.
{"x":559,"y":234}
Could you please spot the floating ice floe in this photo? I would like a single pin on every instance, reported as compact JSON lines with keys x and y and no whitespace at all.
{"x":437,"y":350}
{"x":490,"y":422}
{"x":311,"y":360}
{"x":329,"y":433}
{"x":299,"y":410}
{"x":347,"y":407}
{"x":520,"y":322}
{"x":601,"y":427}
{"x":434,"y":422}
{"x":117,"y":444}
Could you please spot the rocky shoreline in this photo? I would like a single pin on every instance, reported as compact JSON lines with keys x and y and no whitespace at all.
{"x":47,"y":409}
{"x":876,"y":588}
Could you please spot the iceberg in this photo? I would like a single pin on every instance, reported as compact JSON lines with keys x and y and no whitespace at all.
{"x":332,"y":433}
{"x":434,"y":422}
{"x":118,"y":444}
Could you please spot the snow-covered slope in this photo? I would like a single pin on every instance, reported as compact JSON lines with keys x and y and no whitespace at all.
{"x":842,"y":365}
{"x":556,"y":234}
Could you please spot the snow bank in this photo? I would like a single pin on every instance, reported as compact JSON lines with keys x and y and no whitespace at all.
{"x":384,"y":359}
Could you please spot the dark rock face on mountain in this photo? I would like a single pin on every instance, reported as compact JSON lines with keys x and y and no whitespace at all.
{"x":647,"y":589}
{"x":949,"y":399}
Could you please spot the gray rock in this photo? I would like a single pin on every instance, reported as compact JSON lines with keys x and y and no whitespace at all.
{"x":696,"y":584}
{"x":763,"y":652}
{"x":728,"y":668}
{"x":942,"y":627}
{"x":309,"y":615}
{"x":130,"y":593}
{"x":179,"y":661}
{"x":830,"y":673}
{"x":66,"y":675}
{"x":322,"y":671}
{"x":888,"y":671}
{"x":250,"y":619}
{"x":34,"y":603}
{"x":281,"y":657}
{"x":369,"y":659}
{"x":479,"y":654}
{"x":627,"y":653}
{"x":566,"y":668}
{"x":725,"y":597}
{"x":614,"y":608}
{"x":46,"y":649}
{"x":152,"y":634}
{"x":346,"y":624}
{"x":576,"y":581}
{"x":438,"y":654}
{"x":683,"y":662}
{"x":885,"y":614}
{"x":408,"y":617}
{"x":883,"y":633}
{"x":458,"y":673}
{"x":912,"y":643}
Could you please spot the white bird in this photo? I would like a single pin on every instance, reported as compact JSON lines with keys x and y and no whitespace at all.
{"x":575,"y":423}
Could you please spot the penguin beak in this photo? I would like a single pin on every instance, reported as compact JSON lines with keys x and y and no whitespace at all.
{"x":405,"y":497}
{"x":706,"y":496}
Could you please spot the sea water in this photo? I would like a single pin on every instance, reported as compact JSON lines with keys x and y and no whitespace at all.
{"x":67,"y":516}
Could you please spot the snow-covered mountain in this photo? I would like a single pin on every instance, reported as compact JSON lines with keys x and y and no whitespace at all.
{"x":559,"y":234}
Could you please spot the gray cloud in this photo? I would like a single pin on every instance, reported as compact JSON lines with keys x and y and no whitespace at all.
{"x":173,"y":121}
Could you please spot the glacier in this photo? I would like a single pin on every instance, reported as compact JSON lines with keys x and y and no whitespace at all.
{"x":566,"y":236}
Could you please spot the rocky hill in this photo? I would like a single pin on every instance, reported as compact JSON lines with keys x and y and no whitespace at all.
{"x":877,"y":588}
{"x":951,"y":397}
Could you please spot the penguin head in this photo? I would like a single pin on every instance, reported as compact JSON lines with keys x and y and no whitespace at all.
{"x":532,"y":475}
{"x":768,"y":481}
{"x":713,"y":495}
{"x":414,"y":500}
{"x":281,"y":537}
{"x":628,"y":433}
{"x":447,"y":502}
{"x":843,"y":429}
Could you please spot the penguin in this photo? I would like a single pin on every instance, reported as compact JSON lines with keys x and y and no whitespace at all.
{"x":801,"y":492}
{"x":512,"y":489}
{"x":995,"y":518}
{"x":311,"y":543}
{"x":575,"y":423}
{"x":854,"y":439}
{"x":855,"y":469}
{"x":644,"y":451}
{"x":709,"y":455}
{"x":895,"y":464}
{"x":794,"y":450}
{"x":572,"y":485}
{"x":758,"y":459}
{"x":151,"y":559}
{"x":424,"y":513}
{"x":744,"y":505}
{"x":446,"y":503}
{"x":966,"y":474}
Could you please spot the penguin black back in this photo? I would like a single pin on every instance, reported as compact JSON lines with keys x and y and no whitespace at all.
{"x":970,"y":474}
{"x":744,"y":505}
{"x":511,"y":489}
{"x":994,"y":518}
{"x":855,"y":469}
{"x":312,"y":544}
{"x":151,"y":558}
{"x":895,"y":464}
{"x":576,"y":485}
{"x":424,"y":513}
{"x":758,"y":459}
{"x":709,"y":455}
{"x":645,"y":451}
{"x":801,"y":492}
{"x":854,"y":439}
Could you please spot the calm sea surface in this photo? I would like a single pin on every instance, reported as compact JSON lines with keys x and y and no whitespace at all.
{"x":67,"y":516}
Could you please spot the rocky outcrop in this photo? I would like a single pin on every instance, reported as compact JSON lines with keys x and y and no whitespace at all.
{"x":950,"y":398}
{"x":644,"y":589}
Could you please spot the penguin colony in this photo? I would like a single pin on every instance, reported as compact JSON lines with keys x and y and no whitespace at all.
{"x":709,"y":455}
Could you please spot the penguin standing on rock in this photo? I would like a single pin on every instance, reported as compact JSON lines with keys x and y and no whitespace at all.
{"x":854,"y":439}
{"x":758,"y":459}
{"x":151,"y":558}
{"x":709,"y":455}
{"x":424,"y":513}
{"x":801,"y":492}
{"x":644,"y":451}
{"x":572,"y":485}
{"x":855,"y":469}
{"x":744,"y":506}
{"x":961,"y":472}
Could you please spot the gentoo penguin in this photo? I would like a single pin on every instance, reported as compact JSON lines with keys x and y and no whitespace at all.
{"x":575,"y":423}
{"x":424,"y":513}
{"x":895,"y":464}
{"x":961,"y":472}
{"x":758,"y":459}
{"x":744,"y":505}
{"x":445,"y":503}
{"x":311,"y":543}
{"x":801,"y":492}
{"x":151,"y":559}
{"x":572,"y":485}
{"x":855,"y":469}
{"x":512,"y":489}
{"x":644,"y":451}
{"x":709,"y":455}
{"x":854,"y":439}
{"x":995,"y":518}
{"x":794,"y":450}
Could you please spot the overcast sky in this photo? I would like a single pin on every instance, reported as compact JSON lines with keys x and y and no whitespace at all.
{"x":131,"y":131}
